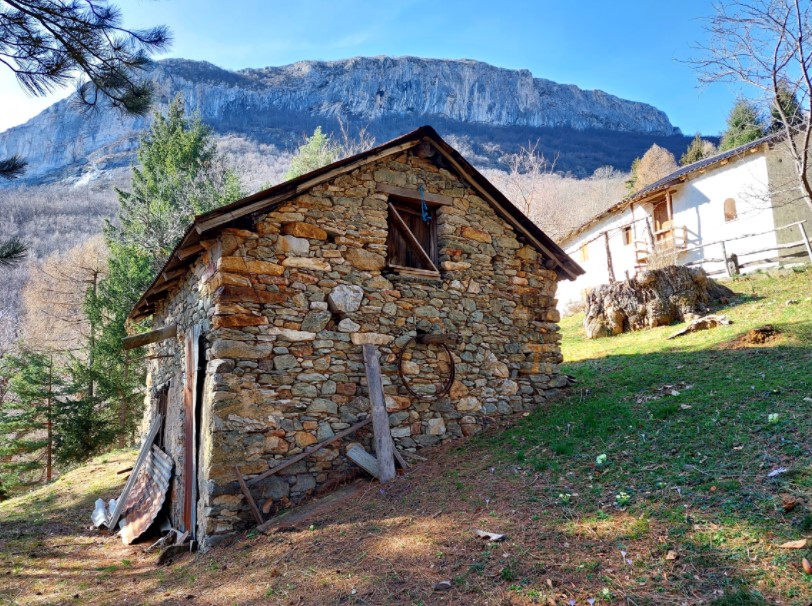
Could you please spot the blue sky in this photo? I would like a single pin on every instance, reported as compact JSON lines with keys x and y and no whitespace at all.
{"x":631,"y":49}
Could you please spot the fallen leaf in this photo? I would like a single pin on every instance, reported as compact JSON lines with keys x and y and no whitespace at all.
{"x":442,"y":586}
{"x":777,"y":472}
{"x":806,"y":566}
{"x":672,"y":555}
{"x":789,"y":504}
{"x":685,"y":406}
{"x":799,"y":544}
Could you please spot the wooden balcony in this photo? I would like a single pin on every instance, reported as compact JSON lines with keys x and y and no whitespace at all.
{"x":669,"y":240}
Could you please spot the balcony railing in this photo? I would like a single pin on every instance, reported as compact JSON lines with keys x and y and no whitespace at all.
{"x":668,"y":241}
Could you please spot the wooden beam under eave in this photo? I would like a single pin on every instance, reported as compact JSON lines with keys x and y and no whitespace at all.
{"x":184,"y":253}
{"x":414,"y":195}
{"x":153,"y":336}
{"x":169,"y":276}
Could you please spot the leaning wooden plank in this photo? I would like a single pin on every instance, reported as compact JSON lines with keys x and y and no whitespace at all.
{"x":310,"y":451}
{"x":153,"y":336}
{"x":363,"y":459}
{"x":142,"y":456}
{"x":412,"y":238}
{"x":247,"y":494}
{"x":399,"y":457}
{"x":380,"y":418}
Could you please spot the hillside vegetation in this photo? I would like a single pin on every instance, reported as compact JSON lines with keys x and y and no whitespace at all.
{"x":653,"y":480}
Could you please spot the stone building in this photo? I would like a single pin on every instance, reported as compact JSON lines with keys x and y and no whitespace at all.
{"x":268,"y":301}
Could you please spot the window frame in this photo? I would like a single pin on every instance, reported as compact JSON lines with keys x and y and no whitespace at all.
{"x":628,"y":235}
{"x":397,"y":207}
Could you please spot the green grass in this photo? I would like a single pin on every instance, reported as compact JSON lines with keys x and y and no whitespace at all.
{"x":686,"y":429}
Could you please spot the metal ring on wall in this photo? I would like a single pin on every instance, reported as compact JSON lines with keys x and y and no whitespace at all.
{"x":446,"y":387}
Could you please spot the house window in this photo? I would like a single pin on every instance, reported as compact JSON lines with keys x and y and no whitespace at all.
{"x":412,"y":239}
{"x":730,"y":209}
{"x":627,"y":235}
{"x":584,"y":252}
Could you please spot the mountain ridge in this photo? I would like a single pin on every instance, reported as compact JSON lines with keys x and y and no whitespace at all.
{"x":495,"y":109}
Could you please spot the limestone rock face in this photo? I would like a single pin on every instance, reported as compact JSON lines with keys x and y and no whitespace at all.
{"x":376,"y":91}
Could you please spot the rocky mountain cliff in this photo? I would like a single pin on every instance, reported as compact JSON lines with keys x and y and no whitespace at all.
{"x":488,"y":109}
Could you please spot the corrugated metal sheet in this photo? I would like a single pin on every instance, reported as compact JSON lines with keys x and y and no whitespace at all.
{"x":147,"y":495}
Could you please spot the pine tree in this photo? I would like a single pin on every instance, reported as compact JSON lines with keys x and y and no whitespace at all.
{"x":744,"y":124}
{"x":786,"y":102}
{"x":47,"y":44}
{"x":698,"y":149}
{"x":179,"y":174}
{"x":28,"y":412}
{"x":317,"y":151}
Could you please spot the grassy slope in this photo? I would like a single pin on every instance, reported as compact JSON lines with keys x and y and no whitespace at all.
{"x":689,"y":443}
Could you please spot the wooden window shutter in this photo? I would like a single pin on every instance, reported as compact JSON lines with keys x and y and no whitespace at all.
{"x":411,"y":242}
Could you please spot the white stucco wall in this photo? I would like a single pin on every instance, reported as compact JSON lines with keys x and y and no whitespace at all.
{"x":698,"y":205}
{"x":595,"y":266}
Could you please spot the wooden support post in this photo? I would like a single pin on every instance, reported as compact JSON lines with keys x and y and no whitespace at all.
{"x":806,"y":241}
{"x":247,"y":493}
{"x":609,"y":267}
{"x":380,"y":418}
{"x":724,"y":256}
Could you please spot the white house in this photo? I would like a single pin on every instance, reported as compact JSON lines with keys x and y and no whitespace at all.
{"x":727,"y":213}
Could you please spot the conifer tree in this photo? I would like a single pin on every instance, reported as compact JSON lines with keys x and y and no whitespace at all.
{"x":698,"y":149}
{"x":744,"y":124}
{"x":28,"y":412}
{"x":318,"y":150}
{"x":179,"y":175}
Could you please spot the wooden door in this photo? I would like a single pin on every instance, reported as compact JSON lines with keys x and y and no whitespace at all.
{"x":663,"y":221}
{"x":190,"y":430}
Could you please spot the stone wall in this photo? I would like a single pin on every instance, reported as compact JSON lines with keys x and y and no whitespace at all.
{"x":287,"y":303}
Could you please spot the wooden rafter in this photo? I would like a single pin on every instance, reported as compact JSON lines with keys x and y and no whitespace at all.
{"x":412,"y":238}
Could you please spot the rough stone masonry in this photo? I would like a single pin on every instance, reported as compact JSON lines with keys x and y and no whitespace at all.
{"x":285,"y":301}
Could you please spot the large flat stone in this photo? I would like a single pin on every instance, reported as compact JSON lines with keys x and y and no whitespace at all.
{"x":307,"y":263}
{"x":240,"y":350}
{"x":291,"y":335}
{"x":364,"y":259}
{"x":304,"y":230}
{"x":293,"y":245}
{"x":373,"y":338}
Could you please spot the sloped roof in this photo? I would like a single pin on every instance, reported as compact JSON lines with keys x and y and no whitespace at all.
{"x":672,"y":179}
{"x":204,"y":226}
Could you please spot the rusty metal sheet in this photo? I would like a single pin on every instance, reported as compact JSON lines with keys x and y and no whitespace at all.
{"x":147,"y":495}
{"x":156,"y":425}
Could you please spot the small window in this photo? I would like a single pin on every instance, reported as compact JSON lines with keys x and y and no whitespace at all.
{"x":627,"y":235}
{"x":412,"y":239}
{"x":730,"y":209}
{"x":585,"y":252}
